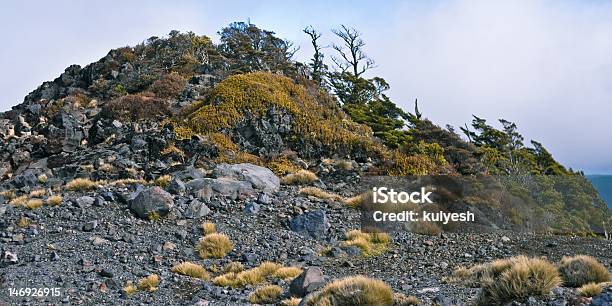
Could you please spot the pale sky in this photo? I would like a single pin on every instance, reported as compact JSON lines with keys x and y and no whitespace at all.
{"x":546,"y":65}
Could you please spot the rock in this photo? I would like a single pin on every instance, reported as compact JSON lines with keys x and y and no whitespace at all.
{"x":604,"y":299}
{"x":176,"y":186}
{"x":251,"y":208}
{"x":8,"y":258}
{"x":260,"y":178}
{"x":264,"y":199}
{"x":196,"y":209}
{"x":227,"y":187}
{"x":98,"y":241}
{"x":168,"y":246}
{"x":505,"y":239}
{"x":3,"y":208}
{"x":106,"y":273}
{"x":83,"y":202}
{"x":90,"y":226}
{"x":152,"y":200}
{"x":249,"y":257}
{"x":309,"y":281}
{"x":313,"y":223}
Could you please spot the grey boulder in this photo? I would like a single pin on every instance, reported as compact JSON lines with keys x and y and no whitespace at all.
{"x":152,"y":200}
{"x":260,"y":178}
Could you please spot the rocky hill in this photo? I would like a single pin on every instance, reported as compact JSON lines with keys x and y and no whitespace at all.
{"x":183,"y":172}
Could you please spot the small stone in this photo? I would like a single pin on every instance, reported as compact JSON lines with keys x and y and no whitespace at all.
{"x":84,"y":201}
{"x":176,"y":186}
{"x":169,"y":246}
{"x":106,"y":273}
{"x":264,"y":199}
{"x":505,"y":239}
{"x":90,"y":226}
{"x":98,"y":241}
{"x":249,"y":257}
{"x":251,"y":208}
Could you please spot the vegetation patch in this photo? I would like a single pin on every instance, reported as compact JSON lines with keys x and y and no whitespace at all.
{"x":209,"y":228}
{"x":257,"y":275}
{"x":291,"y":302}
{"x":214,"y":246}
{"x":81,"y":184}
{"x":371,"y":244}
{"x":266,"y":295}
{"x":302,"y":177}
{"x":319,"y":193}
{"x":149,"y":283}
{"x":192,"y":270}
{"x":581,"y":270}
{"x":356,"y":290}
{"x":590,"y":290}
{"x":163,"y":181}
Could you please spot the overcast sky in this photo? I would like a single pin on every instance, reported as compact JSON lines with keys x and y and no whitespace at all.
{"x":547,"y":65}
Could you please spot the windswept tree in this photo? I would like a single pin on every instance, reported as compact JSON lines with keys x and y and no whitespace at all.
{"x":318,"y":69}
{"x":248,"y":48}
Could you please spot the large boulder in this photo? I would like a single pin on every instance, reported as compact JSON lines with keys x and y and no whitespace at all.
{"x":309,"y":281}
{"x":226,"y":187}
{"x":152,"y":200}
{"x":260,"y":178}
{"x":312,"y":223}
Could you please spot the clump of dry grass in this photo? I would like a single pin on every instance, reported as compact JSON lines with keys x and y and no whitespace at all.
{"x":149,"y":283}
{"x":400,"y":299}
{"x":512,"y":279}
{"x":127,"y":182}
{"x":302,"y":177}
{"x":34,"y":203}
{"x":266,"y":295}
{"x":209,"y":228}
{"x":256,"y":275}
{"x":291,"y":302}
{"x":42,"y":178}
{"x":129,"y":288}
{"x":106,"y":168}
{"x":38,"y":193}
{"x":191,"y":269}
{"x":19,"y":201}
{"x":319,"y":193}
{"x":163,"y":181}
{"x":581,"y":270}
{"x":54,"y":200}
{"x":356,"y":201}
{"x":214,"y":246}
{"x":344,"y":164}
{"x":81,"y":184}
{"x":371,"y":244}
{"x":590,"y":290}
{"x":356,"y":290}
{"x":8,"y":194}
{"x":153,"y":216}
{"x":23,"y":222}
{"x":234,"y":267}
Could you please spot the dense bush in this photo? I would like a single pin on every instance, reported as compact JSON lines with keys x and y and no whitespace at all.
{"x":135,"y":107}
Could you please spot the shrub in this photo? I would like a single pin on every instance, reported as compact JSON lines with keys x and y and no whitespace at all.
{"x":266,"y":295}
{"x":214,"y":246}
{"x":34,"y":203}
{"x":287,"y":273}
{"x":282,"y":165}
{"x":129,"y":289}
{"x":301,"y":177}
{"x":135,"y":107}
{"x":356,"y":290}
{"x":163,"y":181}
{"x":168,"y":86}
{"x":590,"y":290}
{"x":400,"y":299}
{"x":291,"y":302}
{"x":581,"y":270}
{"x":233,"y":266}
{"x":521,"y":278}
{"x":81,"y":184}
{"x":319,"y":193}
{"x":191,"y":269}
{"x":254,"y":276}
{"x":209,"y":228}
{"x":371,"y":244}
{"x":54,"y":200}
{"x":149,"y":283}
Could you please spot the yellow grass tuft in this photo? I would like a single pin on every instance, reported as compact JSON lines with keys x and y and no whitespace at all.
{"x":42,"y":178}
{"x":319,"y":193}
{"x":8,"y":194}
{"x":302,"y":177}
{"x":191,"y":269}
{"x":129,"y":289}
{"x":581,"y":270}
{"x":163,"y":181}
{"x":287,"y":273}
{"x":38,"y":193}
{"x":371,"y":244}
{"x":214,"y":246}
{"x":34,"y":203}
{"x":149,"y":283}
{"x":255,"y":275}
{"x":23,"y":222}
{"x":19,"y":201}
{"x":106,"y":168}
{"x":590,"y":290}
{"x":400,"y":299}
{"x":81,"y":184}
{"x":266,"y":295}
{"x":54,"y":200}
{"x":356,"y":290}
{"x":233,"y":266}
{"x":209,"y":228}
{"x":127,"y":182}
{"x":356,"y":201}
{"x":291,"y":302}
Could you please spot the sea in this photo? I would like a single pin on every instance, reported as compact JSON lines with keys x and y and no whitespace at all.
{"x":603,"y":183}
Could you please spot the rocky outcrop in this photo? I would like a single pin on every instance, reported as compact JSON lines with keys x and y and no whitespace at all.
{"x":260,"y":178}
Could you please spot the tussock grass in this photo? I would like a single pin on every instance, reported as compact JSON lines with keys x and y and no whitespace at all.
{"x":34,"y":203}
{"x":214,"y":246}
{"x":153,"y":216}
{"x":163,"y":181}
{"x":19,"y":201}
{"x":356,"y":201}
{"x":266,"y":295}
{"x":291,"y":302}
{"x":400,"y":299}
{"x":23,"y":222}
{"x":191,"y":269}
{"x":356,"y":290}
{"x":130,"y":289}
{"x":371,"y":244}
{"x":127,"y":182}
{"x":344,"y":164}
{"x":267,"y":270}
{"x":8,"y":194}
{"x":302,"y":177}
{"x":319,"y":193}
{"x":209,"y":228}
{"x":106,"y":168}
{"x":149,"y":283}
{"x":38,"y":193}
{"x":81,"y":184}
{"x":590,"y":290}
{"x":54,"y":200}
{"x":233,"y":266}
{"x":287,"y":273}
{"x":42,"y":178}
{"x":581,"y":270}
